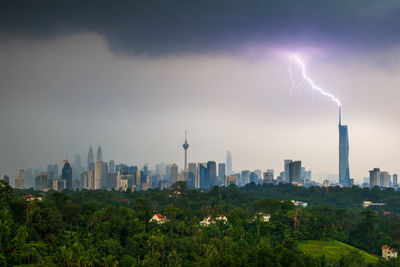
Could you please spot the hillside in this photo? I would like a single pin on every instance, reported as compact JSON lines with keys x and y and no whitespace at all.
{"x":333,"y":250}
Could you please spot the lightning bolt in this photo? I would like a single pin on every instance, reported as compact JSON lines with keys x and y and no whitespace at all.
{"x":295,"y":58}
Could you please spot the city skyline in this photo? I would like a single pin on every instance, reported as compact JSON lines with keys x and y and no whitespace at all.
{"x":134,"y":88}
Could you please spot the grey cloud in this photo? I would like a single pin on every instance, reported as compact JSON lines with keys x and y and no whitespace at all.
{"x":159,"y":27}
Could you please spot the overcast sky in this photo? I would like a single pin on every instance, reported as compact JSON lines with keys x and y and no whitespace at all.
{"x":133,"y":75}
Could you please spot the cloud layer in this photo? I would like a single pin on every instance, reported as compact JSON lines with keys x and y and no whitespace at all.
{"x":159,"y":27}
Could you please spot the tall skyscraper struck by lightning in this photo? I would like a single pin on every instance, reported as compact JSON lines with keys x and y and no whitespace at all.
{"x":344,"y":170}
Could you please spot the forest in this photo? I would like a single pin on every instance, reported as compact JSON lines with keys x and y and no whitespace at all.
{"x":112,"y":228}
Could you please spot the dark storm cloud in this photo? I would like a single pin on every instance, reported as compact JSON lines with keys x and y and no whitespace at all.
{"x":159,"y":26}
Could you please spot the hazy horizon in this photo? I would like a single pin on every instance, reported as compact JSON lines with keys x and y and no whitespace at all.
{"x":133,"y":83}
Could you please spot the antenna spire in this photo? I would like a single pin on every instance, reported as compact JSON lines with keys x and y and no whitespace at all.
{"x":340,"y":115}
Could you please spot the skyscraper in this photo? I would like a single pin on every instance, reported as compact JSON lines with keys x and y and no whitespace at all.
{"x":294,"y":171}
{"x":19,"y":182}
{"x":41,"y":181}
{"x":394,"y":180}
{"x":374,"y":177}
{"x":185,"y":147}
{"x":111,"y":166}
{"x":344,"y":170}
{"x":99,"y":154}
{"x":90,"y":161}
{"x":6,"y":179}
{"x":201,"y":177}
{"x":174,"y":173}
{"x":286,"y":170}
{"x":221,"y":173}
{"x":211,"y":174}
{"x":228,"y":163}
{"x":384,"y":179}
{"x":245,"y":178}
{"x":77,"y":167}
{"x":191,"y":182}
{"x":66,"y":174}
{"x":52,"y":171}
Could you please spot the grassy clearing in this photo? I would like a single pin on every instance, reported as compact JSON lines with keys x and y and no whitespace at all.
{"x":333,"y":250}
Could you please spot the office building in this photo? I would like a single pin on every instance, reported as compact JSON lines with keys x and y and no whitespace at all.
{"x":221,"y":173}
{"x":174,"y":174}
{"x":374,"y":177}
{"x":192,"y":172}
{"x":19,"y":182}
{"x":77,"y":168}
{"x":295,"y":172}
{"x":90,"y":161}
{"x":395,"y":180}
{"x":201,"y":176}
{"x":100,"y":174}
{"x":245,"y":178}
{"x":41,"y":181}
{"x":344,"y":170}
{"x":286,"y":170}
{"x":228,"y":163}
{"x":111,"y":166}
{"x":6,"y":179}
{"x":268,"y":177}
{"x":384,"y":179}
{"x":66,"y":174}
{"x":211,"y":174}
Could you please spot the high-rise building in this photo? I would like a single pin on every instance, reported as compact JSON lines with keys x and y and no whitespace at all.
{"x":286,"y":169}
{"x":90,"y":161}
{"x":99,"y":154}
{"x":77,"y":167}
{"x":395,"y":180}
{"x":112,"y":180}
{"x":294,"y":171}
{"x":111,"y":166}
{"x":268,"y":177}
{"x":185,"y":147}
{"x":90,"y":179}
{"x":192,"y":172}
{"x":52,"y":171}
{"x":211,"y":174}
{"x":100,"y":175}
{"x":174,"y":174}
{"x":344,"y":170}
{"x":66,"y":174}
{"x":259,"y":176}
{"x":228,"y":163}
{"x":221,"y":173}
{"x":29,"y":181}
{"x":374,"y":177}
{"x":19,"y":182}
{"x":231,"y":180}
{"x":245,"y":178}
{"x":41,"y":181}
{"x":384,"y":179}
{"x":6,"y":179}
{"x":202,"y":170}
{"x":253,"y":178}
{"x":146,"y":169}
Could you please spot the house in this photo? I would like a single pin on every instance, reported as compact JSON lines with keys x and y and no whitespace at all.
{"x":208,"y":220}
{"x":263,"y":216}
{"x":159,"y":219}
{"x":388,"y":252}
{"x":300,"y":203}
{"x":31,"y":198}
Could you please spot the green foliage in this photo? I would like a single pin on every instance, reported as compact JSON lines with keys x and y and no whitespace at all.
{"x":335,"y":251}
{"x":110,"y":228}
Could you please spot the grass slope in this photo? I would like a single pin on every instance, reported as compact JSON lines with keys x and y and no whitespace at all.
{"x":333,"y":250}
